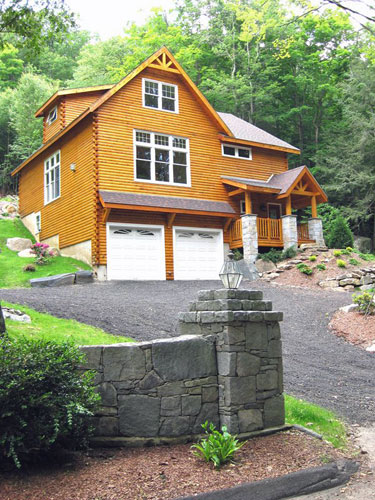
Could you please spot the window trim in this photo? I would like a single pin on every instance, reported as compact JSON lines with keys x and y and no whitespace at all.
{"x":46,"y":202}
{"x":160,"y":83}
{"x":154,"y":146}
{"x":242,"y":207}
{"x":236,"y":149}
{"x":38,"y":226}
{"x":49,"y":121}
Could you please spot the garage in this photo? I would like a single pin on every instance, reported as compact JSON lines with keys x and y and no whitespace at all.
{"x":198,"y":253}
{"x":135,"y":252}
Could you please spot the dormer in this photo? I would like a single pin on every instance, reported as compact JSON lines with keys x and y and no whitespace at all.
{"x":65,"y":106}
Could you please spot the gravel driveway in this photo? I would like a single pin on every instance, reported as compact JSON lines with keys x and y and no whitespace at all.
{"x":318,"y":366}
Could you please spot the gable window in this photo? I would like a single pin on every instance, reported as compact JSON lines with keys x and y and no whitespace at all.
{"x":236,"y":152}
{"x":159,"y":95}
{"x":52,"y":115}
{"x":38,"y":223}
{"x":161,"y":158}
{"x":52,"y":178}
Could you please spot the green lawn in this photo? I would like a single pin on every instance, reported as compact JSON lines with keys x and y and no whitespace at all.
{"x":11,"y":266}
{"x":44,"y":326}
{"x":317,"y":419}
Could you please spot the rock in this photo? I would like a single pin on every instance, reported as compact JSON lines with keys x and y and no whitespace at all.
{"x":139,"y":415}
{"x":122,"y":362}
{"x":57,"y":280}
{"x":274,"y":412}
{"x":284,"y":267}
{"x":345,"y":276}
{"x":349,"y":287}
{"x":367,"y":287}
{"x":308,"y":246}
{"x":250,"y":420}
{"x":264,"y":266}
{"x":175,"y":426}
{"x":26,"y":253}
{"x":272,"y":276}
{"x":18,"y":244}
{"x":362,"y":244}
{"x":366,"y":280}
{"x":339,"y":289}
{"x":11,"y":209}
{"x":15,"y":315}
{"x":328,"y":284}
{"x":350,"y":281}
{"x":295,"y":261}
{"x":84,"y":277}
{"x":349,"y":308}
{"x":371,"y":348}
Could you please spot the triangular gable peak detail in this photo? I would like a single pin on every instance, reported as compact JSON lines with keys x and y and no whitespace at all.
{"x":165,"y":63}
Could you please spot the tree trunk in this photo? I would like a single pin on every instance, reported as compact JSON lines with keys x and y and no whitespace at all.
{"x":2,"y":322}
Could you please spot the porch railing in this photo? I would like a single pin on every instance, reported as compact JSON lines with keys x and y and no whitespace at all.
{"x":269,"y":231}
{"x":235,"y":235}
{"x":303,"y":232}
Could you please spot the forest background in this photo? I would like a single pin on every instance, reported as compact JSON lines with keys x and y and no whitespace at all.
{"x":304,"y":72}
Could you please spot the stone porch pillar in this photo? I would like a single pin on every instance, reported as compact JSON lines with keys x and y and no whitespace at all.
{"x":316,"y":231}
{"x":290,"y":234}
{"x":249,"y":238}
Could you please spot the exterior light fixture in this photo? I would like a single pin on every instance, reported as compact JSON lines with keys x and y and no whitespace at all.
{"x":73,"y":167}
{"x":230,"y":273}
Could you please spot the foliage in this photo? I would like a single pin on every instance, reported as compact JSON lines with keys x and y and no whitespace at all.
{"x":345,"y":252}
{"x":41,"y":252}
{"x":217,"y":447}
{"x":312,"y":258}
{"x":305,"y":269}
{"x":289,"y":253}
{"x":321,"y":267}
{"x":341,"y":235}
{"x":317,"y":419}
{"x":46,"y":327}
{"x":29,"y":268}
{"x":341,"y":263}
{"x":367,"y":256}
{"x":337,"y":253}
{"x":44,"y":399}
{"x":354,"y":262}
{"x":349,"y":249}
{"x":276,"y":256}
{"x":2,"y":322}
{"x":237,"y":254}
{"x":365,"y":301}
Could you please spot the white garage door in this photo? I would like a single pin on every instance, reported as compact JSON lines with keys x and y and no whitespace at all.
{"x":198,"y":253}
{"x":135,"y":252}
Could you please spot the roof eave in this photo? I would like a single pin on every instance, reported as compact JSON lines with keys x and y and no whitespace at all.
{"x":234,"y":140}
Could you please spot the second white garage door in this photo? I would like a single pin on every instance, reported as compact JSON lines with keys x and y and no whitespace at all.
{"x":198,"y":253}
{"x":135,"y":252}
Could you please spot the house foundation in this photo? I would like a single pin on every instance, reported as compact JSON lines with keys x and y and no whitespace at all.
{"x":290,"y":233}
{"x":316,"y":231}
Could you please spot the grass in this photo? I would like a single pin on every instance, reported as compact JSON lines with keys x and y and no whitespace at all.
{"x":11,"y":266}
{"x":317,"y":419}
{"x":47,"y":327}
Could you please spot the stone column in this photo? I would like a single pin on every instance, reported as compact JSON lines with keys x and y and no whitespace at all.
{"x":290,"y":234}
{"x":316,"y":231}
{"x":249,"y":237}
{"x":249,"y":358}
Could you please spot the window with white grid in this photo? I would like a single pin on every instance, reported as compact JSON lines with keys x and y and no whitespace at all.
{"x":160,"y":95}
{"x":52,"y":178}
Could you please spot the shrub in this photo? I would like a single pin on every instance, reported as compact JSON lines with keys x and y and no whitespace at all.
{"x":321,"y":267}
{"x":365,"y":301}
{"x":340,"y":234}
{"x":341,"y":263}
{"x":305,"y":269}
{"x":349,"y":249}
{"x":366,"y":256}
{"x":41,"y":252}
{"x":45,"y":401}
{"x":237,"y":254}
{"x":218,"y":447}
{"x":312,"y":258}
{"x":345,"y":252}
{"x":337,"y":253}
{"x":354,"y":262}
{"x":29,"y":268}
{"x":272,"y":256}
{"x":289,"y":253}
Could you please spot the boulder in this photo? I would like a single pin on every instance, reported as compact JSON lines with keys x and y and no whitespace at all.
{"x":362,"y":244}
{"x":371,"y":348}
{"x":264,"y":266}
{"x":328,"y":284}
{"x":11,"y":209}
{"x":366,"y":287}
{"x":350,"y":281}
{"x":272,"y":276}
{"x":349,"y":308}
{"x":26,"y":253}
{"x":16,"y":315}
{"x":367,"y":280}
{"x":295,"y":261}
{"x":57,"y":280}
{"x":18,"y":244}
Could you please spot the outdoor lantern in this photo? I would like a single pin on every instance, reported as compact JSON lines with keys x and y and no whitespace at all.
{"x":230,"y":273}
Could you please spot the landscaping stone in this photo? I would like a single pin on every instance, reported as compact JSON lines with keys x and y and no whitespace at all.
{"x":273,"y":276}
{"x":349,"y":308}
{"x":362,"y":244}
{"x":18,"y":244}
{"x":15,"y":315}
{"x":26,"y":253}
{"x":349,"y":281}
{"x":264,"y":266}
{"x":250,"y":420}
{"x":84,"y":277}
{"x":57,"y":280}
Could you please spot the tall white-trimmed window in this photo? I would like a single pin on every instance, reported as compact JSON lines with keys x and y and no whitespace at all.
{"x":52,"y":115}
{"x":52,"y":178}
{"x":38,"y":222}
{"x":236,"y":152}
{"x":160,"y":95}
{"x":161,"y":158}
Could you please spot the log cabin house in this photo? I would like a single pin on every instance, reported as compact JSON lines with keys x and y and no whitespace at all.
{"x":145,"y":180}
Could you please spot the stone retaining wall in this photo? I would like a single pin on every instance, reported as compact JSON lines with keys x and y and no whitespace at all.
{"x":226,"y":368}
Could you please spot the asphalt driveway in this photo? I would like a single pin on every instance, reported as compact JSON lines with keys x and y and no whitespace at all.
{"x":318,"y":366}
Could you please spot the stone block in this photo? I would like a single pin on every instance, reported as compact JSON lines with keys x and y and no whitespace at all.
{"x":107,"y":411}
{"x":210,"y":394}
{"x":170,"y":406}
{"x":255,"y":316}
{"x":223,"y":316}
{"x":108,"y":394}
{"x":241,"y":315}
{"x":226,"y":363}
{"x":208,"y":305}
{"x":93,"y":355}
{"x":139,"y":415}
{"x":274,"y":412}
{"x":171,"y":389}
{"x":274,"y":348}
{"x":175,"y":426}
{"x":239,"y":390}
{"x":205,"y":316}
{"x":250,"y":420}
{"x":273,"y":331}
{"x":150,"y":381}
{"x":273,"y":316}
{"x":188,"y":317}
{"x":231,"y":423}
{"x":191,"y":404}
{"x":107,"y":426}
{"x":366,"y":280}
{"x":189,"y":328}
{"x":209,"y":412}
{"x":233,"y":334}
{"x":247,"y":364}
{"x":121,"y":362}
{"x":229,"y":304}
{"x":84,"y":277}
{"x":256,"y":336}
{"x":225,"y":293}
{"x":267,"y":381}
{"x":184,"y":358}
{"x":206,"y":295}
{"x":52,"y":281}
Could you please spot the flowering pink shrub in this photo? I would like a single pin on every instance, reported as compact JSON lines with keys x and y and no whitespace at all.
{"x":41,"y":252}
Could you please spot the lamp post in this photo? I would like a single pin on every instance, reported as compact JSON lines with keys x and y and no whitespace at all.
{"x":230,"y":273}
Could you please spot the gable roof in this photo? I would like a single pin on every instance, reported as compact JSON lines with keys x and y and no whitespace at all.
{"x":246,"y":131}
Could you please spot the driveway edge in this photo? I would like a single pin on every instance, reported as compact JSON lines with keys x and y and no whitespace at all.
{"x":297,"y":483}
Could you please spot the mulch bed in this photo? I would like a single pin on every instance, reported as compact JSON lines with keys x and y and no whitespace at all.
{"x":354,"y":327}
{"x":163,"y":472}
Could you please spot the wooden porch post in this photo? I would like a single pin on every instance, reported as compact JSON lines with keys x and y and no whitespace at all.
{"x":289,"y":205}
{"x":248,"y":204}
{"x":314,"y":212}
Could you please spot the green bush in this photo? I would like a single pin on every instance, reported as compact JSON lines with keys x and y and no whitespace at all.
{"x":354,"y":262}
{"x":276,"y":256}
{"x":345,"y":252}
{"x":337,"y":253}
{"x":341,"y":263}
{"x":312,"y":258}
{"x":321,"y":267}
{"x":218,"y":447}
{"x":349,"y":249}
{"x":365,"y":301}
{"x":367,"y":256}
{"x":340,"y":234}
{"x":305,"y":269}
{"x":45,"y":401}
{"x":289,"y":253}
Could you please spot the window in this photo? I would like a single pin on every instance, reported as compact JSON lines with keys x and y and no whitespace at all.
{"x":159,"y":95}
{"x":52,"y":115}
{"x":52,"y":178}
{"x":38,"y":223}
{"x":242,"y":207}
{"x":161,"y":158}
{"x":234,"y":151}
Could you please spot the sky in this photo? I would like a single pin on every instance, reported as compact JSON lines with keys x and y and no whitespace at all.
{"x":109,"y":17}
